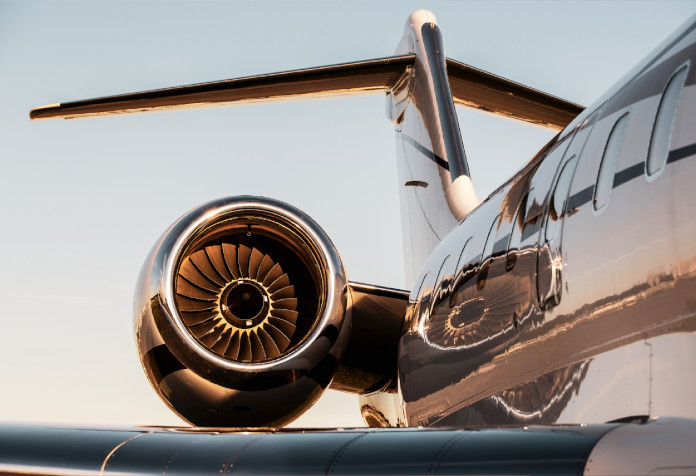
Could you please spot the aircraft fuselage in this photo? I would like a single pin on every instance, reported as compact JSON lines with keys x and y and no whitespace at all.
{"x":569,"y":295}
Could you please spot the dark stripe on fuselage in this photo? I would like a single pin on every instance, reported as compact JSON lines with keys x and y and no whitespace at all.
{"x":425,"y":151}
{"x":582,"y":197}
{"x":681,"y":153}
{"x":629,"y":173}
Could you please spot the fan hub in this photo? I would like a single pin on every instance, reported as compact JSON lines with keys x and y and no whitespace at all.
{"x":244,"y":303}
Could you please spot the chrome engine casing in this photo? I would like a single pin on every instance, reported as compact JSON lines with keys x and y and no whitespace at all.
{"x":270,"y":370}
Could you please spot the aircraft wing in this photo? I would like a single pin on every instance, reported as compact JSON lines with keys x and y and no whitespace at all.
{"x":627,"y":448}
{"x":470,"y":87}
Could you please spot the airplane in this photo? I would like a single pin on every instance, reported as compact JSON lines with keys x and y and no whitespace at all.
{"x":522,"y":304}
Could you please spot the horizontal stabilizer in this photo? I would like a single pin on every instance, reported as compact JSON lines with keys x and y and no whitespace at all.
{"x":373,"y":75}
{"x":482,"y":90}
{"x":470,"y":87}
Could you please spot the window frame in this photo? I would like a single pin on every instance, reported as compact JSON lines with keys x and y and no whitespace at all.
{"x":614,"y":128}
{"x":650,"y":177}
{"x":564,"y":204}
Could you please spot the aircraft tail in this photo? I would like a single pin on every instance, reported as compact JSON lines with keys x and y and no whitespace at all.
{"x":435,"y":185}
{"x":422,"y":87}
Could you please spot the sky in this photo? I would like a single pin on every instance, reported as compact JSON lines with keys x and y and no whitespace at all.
{"x":83,"y":201}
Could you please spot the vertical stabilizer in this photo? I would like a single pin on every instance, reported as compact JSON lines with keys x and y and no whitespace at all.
{"x":434,"y":181}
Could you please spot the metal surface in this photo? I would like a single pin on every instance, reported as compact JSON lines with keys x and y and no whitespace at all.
{"x":369,"y":364}
{"x":470,"y":87}
{"x":67,"y":451}
{"x":201,"y":374}
{"x":564,"y":312}
{"x":665,"y":447}
{"x":476,"y":88}
{"x":429,"y":147}
{"x":362,"y":76}
{"x":248,"y":290}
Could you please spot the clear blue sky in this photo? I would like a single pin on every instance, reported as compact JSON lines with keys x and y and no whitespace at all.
{"x":83,"y":201}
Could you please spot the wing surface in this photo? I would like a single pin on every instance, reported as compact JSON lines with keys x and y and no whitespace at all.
{"x":470,"y":87}
{"x":57,"y":450}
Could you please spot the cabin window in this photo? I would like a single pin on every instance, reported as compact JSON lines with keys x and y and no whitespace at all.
{"x":661,"y":136}
{"x":607,"y":168}
{"x":420,"y":288}
{"x":515,"y":236}
{"x":460,"y":272}
{"x":415,"y":317}
{"x":490,"y":241}
{"x":486,"y":257}
{"x":558,"y":201}
{"x":463,"y":261}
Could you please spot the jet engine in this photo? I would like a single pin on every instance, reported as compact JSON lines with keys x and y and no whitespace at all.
{"x":241,"y":313}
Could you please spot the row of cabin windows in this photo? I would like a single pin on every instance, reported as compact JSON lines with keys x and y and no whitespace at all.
{"x":660,"y":139}
{"x":658,"y":152}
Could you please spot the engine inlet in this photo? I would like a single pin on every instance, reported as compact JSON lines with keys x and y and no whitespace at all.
{"x":245,"y":295}
{"x":242,"y":314}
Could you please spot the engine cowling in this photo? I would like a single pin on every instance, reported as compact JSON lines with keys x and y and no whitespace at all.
{"x":241,"y":313}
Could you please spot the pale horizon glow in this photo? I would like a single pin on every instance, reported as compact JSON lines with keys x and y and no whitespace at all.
{"x":84,"y":200}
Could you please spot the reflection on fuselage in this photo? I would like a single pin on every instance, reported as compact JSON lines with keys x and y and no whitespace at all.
{"x":536,"y":402}
{"x":473,"y":318}
{"x":549,"y":290}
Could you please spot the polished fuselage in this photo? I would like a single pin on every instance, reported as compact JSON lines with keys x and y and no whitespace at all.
{"x":569,"y":295}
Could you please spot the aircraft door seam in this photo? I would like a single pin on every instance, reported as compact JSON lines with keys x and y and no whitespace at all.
{"x":650,"y":376}
{"x":549,"y":268}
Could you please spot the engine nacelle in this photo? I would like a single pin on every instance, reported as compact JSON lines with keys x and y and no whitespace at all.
{"x":241,"y":313}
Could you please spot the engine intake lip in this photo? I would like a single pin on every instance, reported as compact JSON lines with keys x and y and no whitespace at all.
{"x":239,"y":216}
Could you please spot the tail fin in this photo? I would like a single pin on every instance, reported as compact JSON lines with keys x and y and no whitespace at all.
{"x":435,"y":186}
